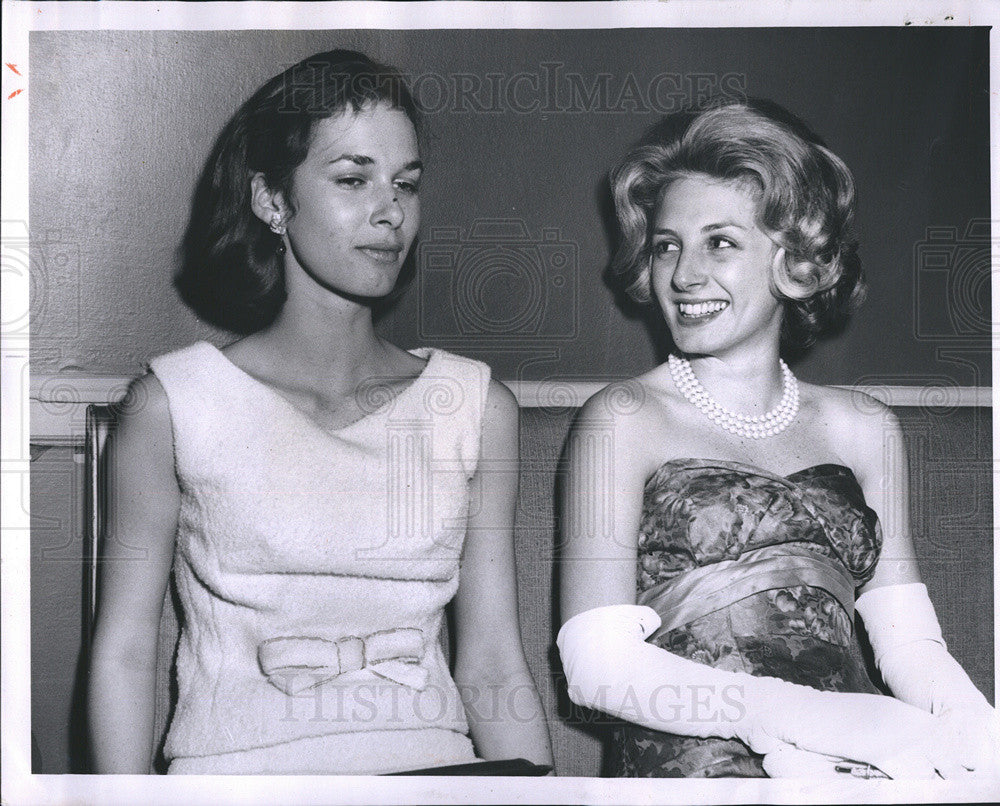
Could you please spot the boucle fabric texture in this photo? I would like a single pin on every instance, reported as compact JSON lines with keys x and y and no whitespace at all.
{"x":313,"y":565}
{"x":373,"y":752}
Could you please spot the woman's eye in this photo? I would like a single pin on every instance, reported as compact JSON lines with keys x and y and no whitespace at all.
{"x":661,"y":248}
{"x":718,"y":242}
{"x":407,"y":186}
{"x":350,"y":181}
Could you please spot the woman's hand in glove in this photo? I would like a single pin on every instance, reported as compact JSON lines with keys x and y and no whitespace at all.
{"x":972,"y":732}
{"x":898,"y":739}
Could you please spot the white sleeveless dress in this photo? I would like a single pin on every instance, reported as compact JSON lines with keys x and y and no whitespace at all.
{"x":312,"y":568}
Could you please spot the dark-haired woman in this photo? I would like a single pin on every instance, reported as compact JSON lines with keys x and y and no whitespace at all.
{"x":722,"y":517}
{"x":315,"y":487}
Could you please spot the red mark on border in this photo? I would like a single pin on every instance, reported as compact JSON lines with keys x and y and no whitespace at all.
{"x":14,"y":68}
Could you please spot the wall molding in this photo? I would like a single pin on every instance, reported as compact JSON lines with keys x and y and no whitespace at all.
{"x":58,"y":403}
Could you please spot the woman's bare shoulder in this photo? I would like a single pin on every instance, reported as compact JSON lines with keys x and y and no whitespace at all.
{"x":145,"y":400}
{"x":627,"y":403}
{"x":846,"y":408}
{"x":143,"y":416}
{"x":639,"y":412}
{"x":501,"y":404}
{"x":861,"y":427}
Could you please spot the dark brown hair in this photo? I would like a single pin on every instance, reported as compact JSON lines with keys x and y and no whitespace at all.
{"x":231,"y":273}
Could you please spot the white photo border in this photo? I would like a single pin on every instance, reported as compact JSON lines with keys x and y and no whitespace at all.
{"x":19,"y":18}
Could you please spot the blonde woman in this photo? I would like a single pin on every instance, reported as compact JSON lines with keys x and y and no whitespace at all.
{"x":723,"y":527}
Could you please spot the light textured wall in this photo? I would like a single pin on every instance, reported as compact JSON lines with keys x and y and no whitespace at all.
{"x":121,"y":123}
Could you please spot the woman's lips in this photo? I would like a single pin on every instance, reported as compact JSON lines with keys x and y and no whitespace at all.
{"x":381,"y":254}
{"x":698,"y":312}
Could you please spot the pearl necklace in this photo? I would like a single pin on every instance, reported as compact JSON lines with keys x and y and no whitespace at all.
{"x":760,"y":426}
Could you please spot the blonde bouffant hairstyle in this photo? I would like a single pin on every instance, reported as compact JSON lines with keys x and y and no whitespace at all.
{"x":806,"y":205}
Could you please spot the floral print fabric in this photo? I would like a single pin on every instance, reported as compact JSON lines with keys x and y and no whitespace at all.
{"x":699,"y":512}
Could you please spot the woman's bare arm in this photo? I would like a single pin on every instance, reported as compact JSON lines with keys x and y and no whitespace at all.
{"x":502,"y":704}
{"x":902,"y":626}
{"x":135,"y":567}
{"x":877,"y":455}
{"x":601,"y":508}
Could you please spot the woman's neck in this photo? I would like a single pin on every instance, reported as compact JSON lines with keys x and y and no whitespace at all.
{"x":324,"y":340}
{"x":748,"y":383}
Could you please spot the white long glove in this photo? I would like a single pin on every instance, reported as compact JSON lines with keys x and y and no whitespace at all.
{"x":610,"y":667}
{"x":915,"y":663}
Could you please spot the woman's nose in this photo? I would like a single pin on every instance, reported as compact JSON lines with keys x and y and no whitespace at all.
{"x":389,"y":210}
{"x":688,"y":271}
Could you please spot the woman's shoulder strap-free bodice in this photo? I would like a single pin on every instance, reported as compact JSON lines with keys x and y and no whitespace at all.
{"x":701,"y":511}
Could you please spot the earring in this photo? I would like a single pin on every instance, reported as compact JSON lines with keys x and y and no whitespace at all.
{"x":276,"y":226}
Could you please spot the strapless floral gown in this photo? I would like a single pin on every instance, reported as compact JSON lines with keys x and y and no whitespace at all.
{"x":751,"y":572}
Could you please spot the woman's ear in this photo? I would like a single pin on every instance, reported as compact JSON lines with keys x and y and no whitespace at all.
{"x":267,"y":204}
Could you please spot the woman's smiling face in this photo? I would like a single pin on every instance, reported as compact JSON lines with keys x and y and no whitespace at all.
{"x":710,"y":267}
{"x":355,"y":200}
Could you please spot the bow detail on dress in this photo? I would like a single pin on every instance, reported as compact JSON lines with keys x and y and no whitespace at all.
{"x":295,"y":664}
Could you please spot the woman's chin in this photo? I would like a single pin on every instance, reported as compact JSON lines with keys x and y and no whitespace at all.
{"x":383,"y":283}
{"x":691,"y":343}
{"x":362,"y":289}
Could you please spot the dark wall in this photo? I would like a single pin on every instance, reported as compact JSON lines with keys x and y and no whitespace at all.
{"x":522,"y":128}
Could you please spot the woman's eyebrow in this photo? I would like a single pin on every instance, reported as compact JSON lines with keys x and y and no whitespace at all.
{"x":357,"y":159}
{"x":706,"y":228}
{"x":361,"y":159}
{"x":722,"y":225}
